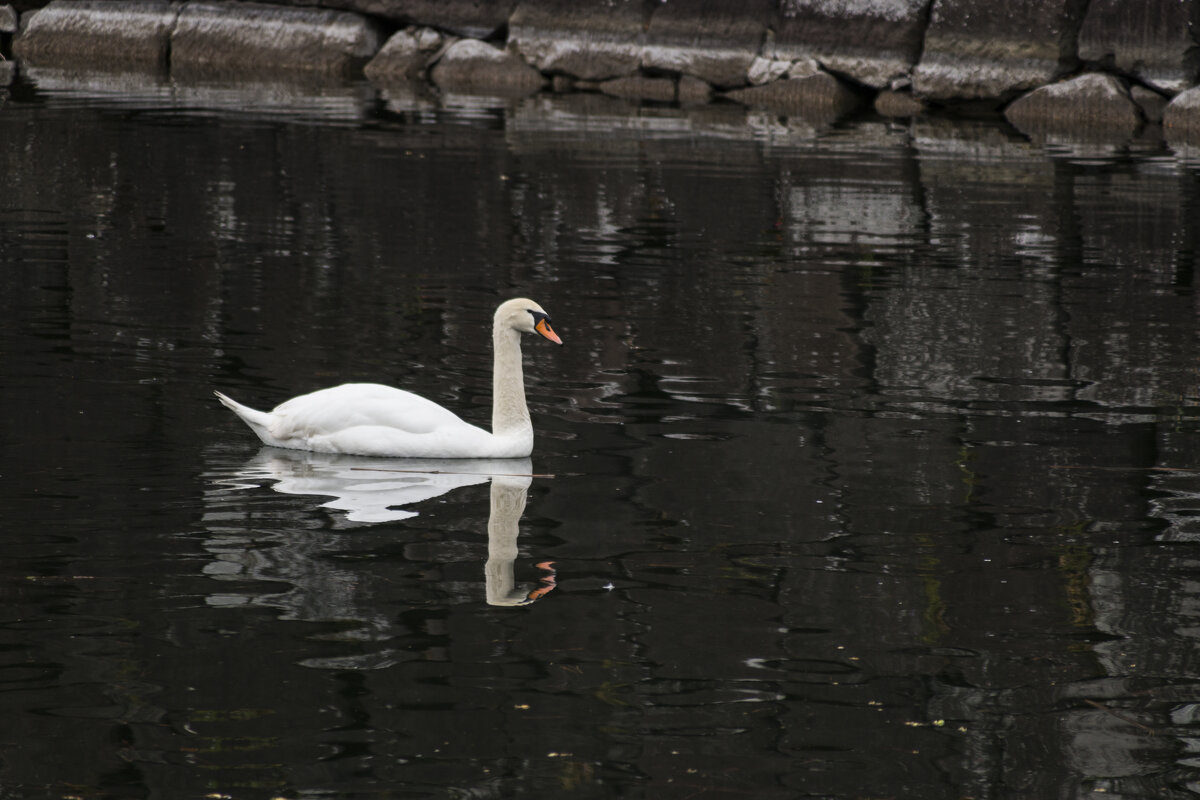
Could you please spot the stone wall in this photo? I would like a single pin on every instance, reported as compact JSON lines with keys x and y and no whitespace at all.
{"x":1107,"y":67}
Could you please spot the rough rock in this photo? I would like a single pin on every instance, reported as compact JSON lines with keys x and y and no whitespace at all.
{"x":8,"y":19}
{"x":820,"y":93}
{"x":871,"y":41}
{"x":692,"y":91}
{"x":477,"y":19}
{"x":898,"y":104}
{"x":8,"y":70}
{"x":221,"y":39}
{"x":640,"y":87}
{"x":112,"y":34}
{"x":1181,"y":119}
{"x":1087,"y":103}
{"x":984,"y":49}
{"x":475,"y":67}
{"x":587,"y":40}
{"x":1150,"y":102}
{"x":406,"y":55}
{"x":765,"y":70}
{"x":714,"y":40}
{"x":1148,"y":39}
{"x":804,"y":68}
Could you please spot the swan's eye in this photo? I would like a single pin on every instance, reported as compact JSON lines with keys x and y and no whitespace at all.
{"x":541,"y":325}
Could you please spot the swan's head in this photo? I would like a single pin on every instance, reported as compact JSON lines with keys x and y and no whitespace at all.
{"x":525,"y":316}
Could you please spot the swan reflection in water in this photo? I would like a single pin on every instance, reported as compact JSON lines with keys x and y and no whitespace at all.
{"x":376,"y":490}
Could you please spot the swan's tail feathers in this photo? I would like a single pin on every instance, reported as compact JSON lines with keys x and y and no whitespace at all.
{"x":259,"y":421}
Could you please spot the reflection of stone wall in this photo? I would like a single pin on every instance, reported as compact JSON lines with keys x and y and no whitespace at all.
{"x":8,"y":26}
{"x":958,"y":510}
{"x":785,"y":54}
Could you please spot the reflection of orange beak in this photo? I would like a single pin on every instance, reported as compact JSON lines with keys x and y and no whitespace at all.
{"x":544,"y":329}
{"x":547,"y":580}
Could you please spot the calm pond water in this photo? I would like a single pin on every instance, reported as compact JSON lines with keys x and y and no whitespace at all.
{"x":868,"y":468}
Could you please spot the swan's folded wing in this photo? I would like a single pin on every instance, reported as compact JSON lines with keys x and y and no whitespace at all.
{"x":350,"y":406}
{"x":461,"y":441}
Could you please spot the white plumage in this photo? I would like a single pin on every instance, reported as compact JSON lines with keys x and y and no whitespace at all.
{"x":374,"y":420}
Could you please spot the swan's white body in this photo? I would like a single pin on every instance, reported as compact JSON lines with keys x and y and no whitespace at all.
{"x":372,"y":420}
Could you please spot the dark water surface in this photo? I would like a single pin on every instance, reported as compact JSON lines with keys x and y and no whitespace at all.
{"x":874,"y":453}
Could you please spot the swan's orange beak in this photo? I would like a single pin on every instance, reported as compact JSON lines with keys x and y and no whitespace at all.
{"x":543,"y":327}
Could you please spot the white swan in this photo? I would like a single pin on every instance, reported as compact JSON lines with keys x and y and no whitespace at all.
{"x":368,"y":419}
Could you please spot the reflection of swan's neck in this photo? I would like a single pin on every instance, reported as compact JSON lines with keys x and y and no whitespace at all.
{"x":508,"y":504}
{"x":509,"y":412}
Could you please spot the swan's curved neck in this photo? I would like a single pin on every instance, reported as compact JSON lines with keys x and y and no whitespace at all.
{"x":509,"y":413}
